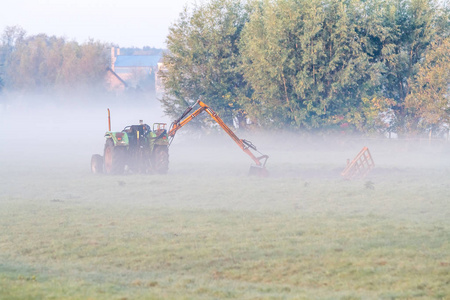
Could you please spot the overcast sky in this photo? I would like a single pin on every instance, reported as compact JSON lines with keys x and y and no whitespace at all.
{"x":126,"y":22}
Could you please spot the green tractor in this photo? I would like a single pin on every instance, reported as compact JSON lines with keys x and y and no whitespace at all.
{"x":135,"y":149}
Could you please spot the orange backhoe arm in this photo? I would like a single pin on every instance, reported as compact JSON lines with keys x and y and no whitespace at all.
{"x":243,"y":144}
{"x":177,"y":124}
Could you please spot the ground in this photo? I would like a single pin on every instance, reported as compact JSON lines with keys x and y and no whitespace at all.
{"x":208,"y":231}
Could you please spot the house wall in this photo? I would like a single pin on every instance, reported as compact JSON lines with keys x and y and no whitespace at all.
{"x":113,"y":83}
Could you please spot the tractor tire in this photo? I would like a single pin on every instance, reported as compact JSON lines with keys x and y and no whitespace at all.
{"x":97,"y":164}
{"x":161,"y":159}
{"x":114,"y":158}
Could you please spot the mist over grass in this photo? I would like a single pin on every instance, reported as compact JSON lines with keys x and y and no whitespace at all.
{"x":51,"y":126}
{"x":207,"y":230}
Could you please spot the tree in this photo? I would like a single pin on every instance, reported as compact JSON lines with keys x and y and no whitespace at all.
{"x":42,"y":63}
{"x":409,"y":27}
{"x":34,"y":63}
{"x":92,"y":62}
{"x":9,"y":38}
{"x":429,"y":99}
{"x":303,"y":64}
{"x":203,"y":59}
{"x":307,"y":63}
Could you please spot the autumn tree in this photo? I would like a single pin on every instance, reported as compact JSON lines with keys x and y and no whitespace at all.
{"x":429,"y":100}
{"x":42,"y":63}
{"x":409,"y":26}
{"x":83,"y":64}
{"x":8,"y":40}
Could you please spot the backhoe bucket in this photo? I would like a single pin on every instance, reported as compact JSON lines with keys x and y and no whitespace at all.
{"x":258,"y":171}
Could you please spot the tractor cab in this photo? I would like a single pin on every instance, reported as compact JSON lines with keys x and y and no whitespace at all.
{"x":138,"y":135}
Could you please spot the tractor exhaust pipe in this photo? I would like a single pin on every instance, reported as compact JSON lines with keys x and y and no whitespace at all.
{"x":109,"y":120}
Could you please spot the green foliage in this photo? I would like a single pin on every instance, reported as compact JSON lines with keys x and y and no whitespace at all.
{"x":317,"y":65}
{"x":409,"y":27}
{"x":373,"y":116}
{"x":203,"y":61}
{"x":307,"y":64}
{"x":306,"y":61}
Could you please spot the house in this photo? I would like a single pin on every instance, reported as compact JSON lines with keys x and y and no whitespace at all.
{"x":132,"y":71}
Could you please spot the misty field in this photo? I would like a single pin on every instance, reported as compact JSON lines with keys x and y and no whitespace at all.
{"x":208,"y":231}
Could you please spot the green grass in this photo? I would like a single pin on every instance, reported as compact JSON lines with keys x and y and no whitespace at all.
{"x":198,"y":233}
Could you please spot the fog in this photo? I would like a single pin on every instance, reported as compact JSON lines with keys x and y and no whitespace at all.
{"x":46,"y":150}
{"x":35,"y":132}
{"x":101,"y":234}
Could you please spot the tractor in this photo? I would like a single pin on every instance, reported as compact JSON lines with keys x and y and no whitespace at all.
{"x":140,"y":149}
{"x":135,"y":149}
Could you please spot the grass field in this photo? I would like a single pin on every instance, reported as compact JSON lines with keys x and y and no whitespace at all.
{"x":207,"y":231}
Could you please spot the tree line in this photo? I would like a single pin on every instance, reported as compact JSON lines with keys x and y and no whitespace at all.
{"x":365,"y":66}
{"x":41,"y":63}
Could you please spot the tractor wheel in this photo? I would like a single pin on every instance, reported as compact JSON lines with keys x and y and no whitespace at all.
{"x":97,"y":164}
{"x":114,"y":158}
{"x":161,"y":159}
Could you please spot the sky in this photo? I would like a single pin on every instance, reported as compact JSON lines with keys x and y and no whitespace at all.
{"x":126,"y":23}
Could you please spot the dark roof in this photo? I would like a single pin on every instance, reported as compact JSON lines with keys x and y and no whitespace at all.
{"x":137,"y":60}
